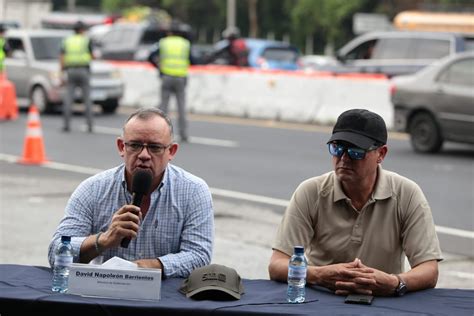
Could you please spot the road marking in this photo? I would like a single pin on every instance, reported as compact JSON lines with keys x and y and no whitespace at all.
{"x":219,"y":192}
{"x":461,"y":275}
{"x":194,"y":140}
{"x":455,"y":232}
{"x":213,"y":142}
{"x":249,"y":197}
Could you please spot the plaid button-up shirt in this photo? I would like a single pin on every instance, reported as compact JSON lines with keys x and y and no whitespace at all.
{"x":178,"y":227}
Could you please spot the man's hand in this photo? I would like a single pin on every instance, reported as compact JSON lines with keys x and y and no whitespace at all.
{"x":125,"y":223}
{"x":149,"y":263}
{"x":345,"y":278}
{"x":366,"y":280}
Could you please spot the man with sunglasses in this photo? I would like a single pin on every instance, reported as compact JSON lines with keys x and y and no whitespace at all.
{"x":173,"y":229}
{"x":358,"y":222}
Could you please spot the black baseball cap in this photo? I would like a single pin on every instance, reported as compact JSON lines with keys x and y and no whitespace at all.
{"x":360,"y":127}
{"x":213,"y":282}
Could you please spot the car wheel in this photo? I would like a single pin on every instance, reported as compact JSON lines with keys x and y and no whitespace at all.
{"x":109,"y":106}
{"x":39,"y":98}
{"x":425,"y":133}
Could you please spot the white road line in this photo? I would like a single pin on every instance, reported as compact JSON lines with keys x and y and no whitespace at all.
{"x":194,"y":140}
{"x":249,"y":197}
{"x":461,"y":275}
{"x":213,"y":142}
{"x":219,"y":192}
{"x":455,"y":232}
{"x":104,"y":130}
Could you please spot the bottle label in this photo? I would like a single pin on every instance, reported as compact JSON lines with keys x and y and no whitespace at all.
{"x":297,"y":272}
{"x":63,"y":260}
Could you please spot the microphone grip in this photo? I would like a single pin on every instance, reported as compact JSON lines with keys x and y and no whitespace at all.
{"x":137,"y":200}
{"x":124,"y":243}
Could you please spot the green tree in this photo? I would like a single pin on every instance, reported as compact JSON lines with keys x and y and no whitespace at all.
{"x":329,"y":20}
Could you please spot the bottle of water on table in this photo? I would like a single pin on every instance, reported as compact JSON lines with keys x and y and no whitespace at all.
{"x":62,"y":262}
{"x":297,"y":276}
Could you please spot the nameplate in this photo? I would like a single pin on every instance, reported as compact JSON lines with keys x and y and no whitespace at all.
{"x":138,"y":284}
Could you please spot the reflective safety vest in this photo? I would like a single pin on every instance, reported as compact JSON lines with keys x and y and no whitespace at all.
{"x":2,"y":53}
{"x":174,"y":56}
{"x":76,"y":51}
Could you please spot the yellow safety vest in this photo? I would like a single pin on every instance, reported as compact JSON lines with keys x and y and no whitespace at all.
{"x":2,"y":54}
{"x":76,"y":51}
{"x":174,"y":56}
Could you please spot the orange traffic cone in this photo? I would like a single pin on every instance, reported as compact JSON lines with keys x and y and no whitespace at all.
{"x":33,"y":149}
{"x":8,"y":104}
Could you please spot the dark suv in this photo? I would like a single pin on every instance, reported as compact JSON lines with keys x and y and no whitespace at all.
{"x":398,"y":52}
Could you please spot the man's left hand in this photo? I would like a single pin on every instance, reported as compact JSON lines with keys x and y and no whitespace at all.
{"x":378,"y":282}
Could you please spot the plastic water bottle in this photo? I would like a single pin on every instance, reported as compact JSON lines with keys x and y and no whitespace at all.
{"x":297,"y":276}
{"x":62,"y":262}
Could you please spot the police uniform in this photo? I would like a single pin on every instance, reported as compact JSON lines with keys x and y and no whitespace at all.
{"x":77,"y":55}
{"x":172,"y":57}
{"x":3,"y":51}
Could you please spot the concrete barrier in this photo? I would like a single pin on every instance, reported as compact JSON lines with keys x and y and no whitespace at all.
{"x":277,"y":95}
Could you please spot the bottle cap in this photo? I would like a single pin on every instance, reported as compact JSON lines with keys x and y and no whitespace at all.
{"x":299,"y":250}
{"x":65,"y":238}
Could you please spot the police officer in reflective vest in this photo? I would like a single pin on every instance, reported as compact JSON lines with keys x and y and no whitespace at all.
{"x":76,"y":55}
{"x":172,"y":58}
{"x":3,"y":50}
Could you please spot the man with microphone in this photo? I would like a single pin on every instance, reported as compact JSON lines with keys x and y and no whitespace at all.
{"x":145,"y":210}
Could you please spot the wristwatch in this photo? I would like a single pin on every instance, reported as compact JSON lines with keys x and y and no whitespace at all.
{"x":401,"y":288}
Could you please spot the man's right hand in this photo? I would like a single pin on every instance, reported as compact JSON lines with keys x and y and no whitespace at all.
{"x":125,"y":223}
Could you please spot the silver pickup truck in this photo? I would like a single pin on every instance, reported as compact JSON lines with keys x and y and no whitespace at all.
{"x":32,"y":65}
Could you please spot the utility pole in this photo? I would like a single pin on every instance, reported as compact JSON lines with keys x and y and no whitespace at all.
{"x":71,"y":5}
{"x":253,"y":18}
{"x":230,"y":13}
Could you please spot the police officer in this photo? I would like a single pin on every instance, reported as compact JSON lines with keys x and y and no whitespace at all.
{"x":4,"y":49}
{"x":171,"y":56}
{"x":76,"y":55}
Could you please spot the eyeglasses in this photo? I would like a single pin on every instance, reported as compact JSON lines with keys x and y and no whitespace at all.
{"x":355,"y":153}
{"x":136,"y":147}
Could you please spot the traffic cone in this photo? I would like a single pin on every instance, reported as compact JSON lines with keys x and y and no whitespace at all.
{"x":8,"y":104}
{"x":33,"y":149}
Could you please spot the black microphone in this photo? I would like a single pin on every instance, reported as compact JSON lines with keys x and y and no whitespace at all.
{"x":141,"y":183}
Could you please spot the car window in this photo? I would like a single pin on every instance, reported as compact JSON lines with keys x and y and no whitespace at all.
{"x":45,"y":48}
{"x":469,"y":42}
{"x":430,"y":48}
{"x":112,"y":37}
{"x":151,"y":37}
{"x":459,"y":73}
{"x":280,"y":54}
{"x":363,"y":51}
{"x":393,"y":48}
{"x":16,"y":44}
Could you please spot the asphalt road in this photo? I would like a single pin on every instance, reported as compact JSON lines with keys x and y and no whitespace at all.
{"x":263,"y":162}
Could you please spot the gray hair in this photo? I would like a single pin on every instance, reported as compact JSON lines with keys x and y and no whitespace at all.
{"x":146,"y":113}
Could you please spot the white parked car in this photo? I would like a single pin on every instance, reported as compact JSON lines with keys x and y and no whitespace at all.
{"x":33,"y":67}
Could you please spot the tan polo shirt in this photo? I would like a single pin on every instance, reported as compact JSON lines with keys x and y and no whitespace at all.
{"x":397,"y":219}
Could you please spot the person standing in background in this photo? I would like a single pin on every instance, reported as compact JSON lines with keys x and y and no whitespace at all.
{"x":4,"y":50}
{"x":171,"y":56}
{"x":75,"y":59}
{"x":234,"y":50}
